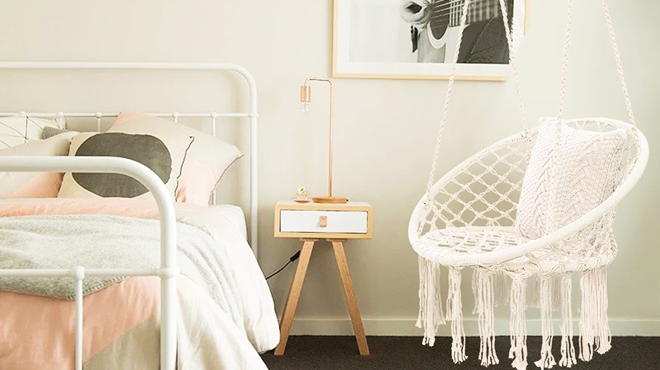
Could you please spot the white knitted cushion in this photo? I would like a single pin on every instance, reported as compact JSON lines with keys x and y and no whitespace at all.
{"x":580,"y":177}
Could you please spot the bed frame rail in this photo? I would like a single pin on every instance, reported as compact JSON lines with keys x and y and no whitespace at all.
{"x":252,"y":114}
{"x":168,"y":270}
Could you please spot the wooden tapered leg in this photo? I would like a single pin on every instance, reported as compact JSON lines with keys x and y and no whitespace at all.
{"x":351,"y":299}
{"x":294,"y":294}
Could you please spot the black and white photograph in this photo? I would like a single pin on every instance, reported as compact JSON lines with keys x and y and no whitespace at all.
{"x":418,"y":38}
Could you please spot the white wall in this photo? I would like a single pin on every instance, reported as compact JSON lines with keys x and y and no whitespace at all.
{"x":385,"y":130}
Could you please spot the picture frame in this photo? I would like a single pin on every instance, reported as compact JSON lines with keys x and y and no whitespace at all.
{"x":375,"y":39}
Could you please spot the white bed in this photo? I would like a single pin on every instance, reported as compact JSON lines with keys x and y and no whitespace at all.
{"x":224,"y":314}
{"x":235,"y":214}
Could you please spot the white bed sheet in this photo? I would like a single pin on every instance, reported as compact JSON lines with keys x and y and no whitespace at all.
{"x":235,"y":214}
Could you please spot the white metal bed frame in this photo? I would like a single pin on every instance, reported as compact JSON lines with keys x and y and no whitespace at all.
{"x":169,"y":269}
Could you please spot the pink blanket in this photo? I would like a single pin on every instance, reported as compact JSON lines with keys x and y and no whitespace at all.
{"x":121,"y":322}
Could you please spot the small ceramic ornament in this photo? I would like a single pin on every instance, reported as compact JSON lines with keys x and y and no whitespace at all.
{"x":302,"y":195}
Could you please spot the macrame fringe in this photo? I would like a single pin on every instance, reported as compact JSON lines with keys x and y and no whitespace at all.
{"x":502,"y":289}
{"x":534,"y":291}
{"x":567,"y":347}
{"x":594,"y":327}
{"x":485,"y":307}
{"x":556,"y":291}
{"x":518,"y":351}
{"x":595,"y":335}
{"x":533,"y":288}
{"x":457,"y":330}
{"x":547,"y":359}
{"x":430,"y":300}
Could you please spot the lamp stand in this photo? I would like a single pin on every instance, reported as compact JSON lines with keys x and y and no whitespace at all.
{"x":330,"y":200}
{"x":305,"y":97}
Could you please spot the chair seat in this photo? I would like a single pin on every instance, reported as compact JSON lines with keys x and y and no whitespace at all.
{"x":474,"y":239}
{"x":463,"y":242}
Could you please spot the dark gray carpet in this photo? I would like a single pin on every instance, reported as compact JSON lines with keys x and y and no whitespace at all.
{"x":407,"y":353}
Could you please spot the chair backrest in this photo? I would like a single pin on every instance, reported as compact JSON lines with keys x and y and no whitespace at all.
{"x":481,"y":191}
{"x":484,"y":189}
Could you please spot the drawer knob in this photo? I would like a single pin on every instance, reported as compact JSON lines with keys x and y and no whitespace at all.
{"x":323,"y":221}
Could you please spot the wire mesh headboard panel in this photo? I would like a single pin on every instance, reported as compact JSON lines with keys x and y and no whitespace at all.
{"x":206,"y":121}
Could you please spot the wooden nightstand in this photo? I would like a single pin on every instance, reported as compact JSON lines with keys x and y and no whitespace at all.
{"x":335,"y":223}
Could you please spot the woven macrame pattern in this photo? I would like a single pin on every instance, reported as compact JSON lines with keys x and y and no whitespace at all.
{"x":469,"y":222}
{"x":468,"y":219}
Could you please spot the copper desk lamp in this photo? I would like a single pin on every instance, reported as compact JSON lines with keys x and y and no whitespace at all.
{"x":305,"y":99}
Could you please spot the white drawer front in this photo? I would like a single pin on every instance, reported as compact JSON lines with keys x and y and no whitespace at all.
{"x":310,"y":222}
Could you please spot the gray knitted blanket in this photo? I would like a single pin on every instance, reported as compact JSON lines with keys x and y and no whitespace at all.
{"x":103,"y":241}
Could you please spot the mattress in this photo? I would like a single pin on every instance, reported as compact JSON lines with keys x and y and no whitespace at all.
{"x":234,"y":214}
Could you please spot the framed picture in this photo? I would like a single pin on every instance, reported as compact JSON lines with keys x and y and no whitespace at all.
{"x":416,"y":39}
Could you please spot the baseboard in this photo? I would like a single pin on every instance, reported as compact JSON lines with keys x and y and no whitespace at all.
{"x":406,"y":327}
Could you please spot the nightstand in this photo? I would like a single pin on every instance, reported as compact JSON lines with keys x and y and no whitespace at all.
{"x":335,"y":223}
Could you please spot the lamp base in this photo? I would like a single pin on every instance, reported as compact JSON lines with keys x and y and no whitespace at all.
{"x":338,"y":200}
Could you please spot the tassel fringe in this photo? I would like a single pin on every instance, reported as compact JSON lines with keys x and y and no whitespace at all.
{"x":534,"y":292}
{"x":547,"y":359}
{"x":502,"y":289}
{"x":518,"y":351}
{"x":457,"y":330}
{"x":567,"y":347}
{"x":485,"y":306}
{"x":594,"y":327}
{"x":556,"y":291}
{"x":533,"y":289}
{"x":550,"y":292}
{"x":430,"y":300}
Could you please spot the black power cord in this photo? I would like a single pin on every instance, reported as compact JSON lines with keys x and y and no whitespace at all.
{"x":291,"y":259}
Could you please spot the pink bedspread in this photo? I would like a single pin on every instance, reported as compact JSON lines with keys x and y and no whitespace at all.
{"x":121,"y":321}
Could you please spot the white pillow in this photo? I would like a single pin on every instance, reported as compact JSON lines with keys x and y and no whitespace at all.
{"x":19,"y":130}
{"x":34,"y":184}
{"x":585,"y":169}
{"x":206,"y":161}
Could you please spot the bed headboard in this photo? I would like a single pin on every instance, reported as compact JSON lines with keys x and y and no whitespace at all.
{"x":214,"y":117}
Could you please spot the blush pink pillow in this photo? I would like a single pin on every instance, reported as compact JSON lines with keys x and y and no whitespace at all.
{"x":206,"y":160}
{"x":43,"y":185}
{"x":196,"y":183}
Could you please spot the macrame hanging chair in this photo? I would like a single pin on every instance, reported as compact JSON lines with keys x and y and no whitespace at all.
{"x":530,"y":210}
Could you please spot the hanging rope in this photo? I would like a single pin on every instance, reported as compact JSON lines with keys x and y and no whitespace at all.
{"x":619,"y":65}
{"x":452,"y":78}
{"x":617,"y":59}
{"x":445,"y":108}
{"x":564,"y":62}
{"x":514,"y":68}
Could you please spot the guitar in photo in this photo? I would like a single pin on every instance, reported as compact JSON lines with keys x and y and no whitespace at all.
{"x":435,"y":27}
